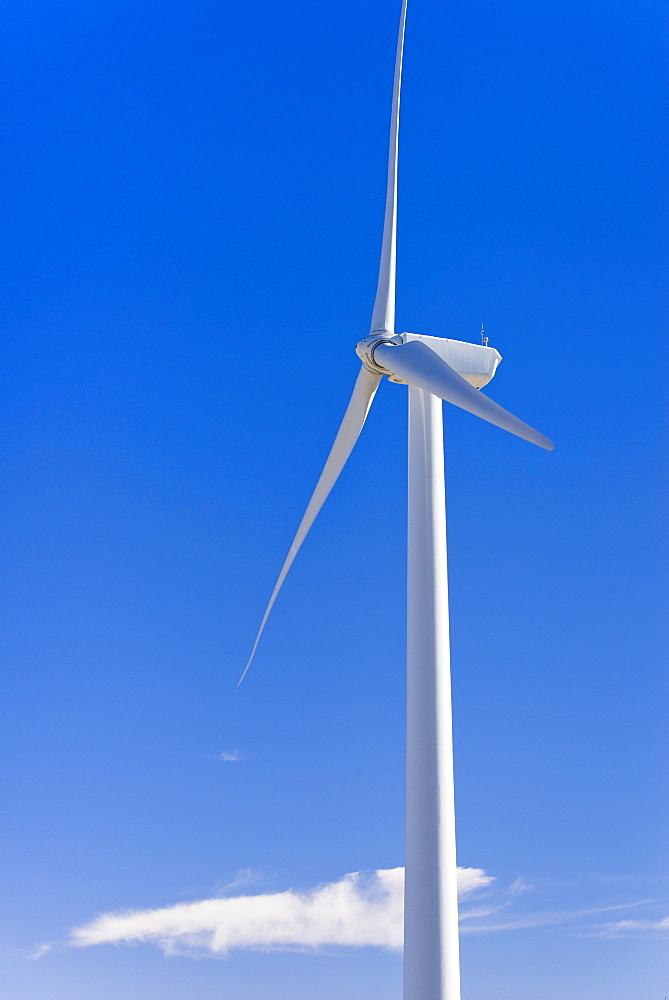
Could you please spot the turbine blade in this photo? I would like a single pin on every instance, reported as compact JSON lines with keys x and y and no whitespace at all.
{"x":417,"y":364}
{"x":383,"y":315}
{"x":347,"y":435}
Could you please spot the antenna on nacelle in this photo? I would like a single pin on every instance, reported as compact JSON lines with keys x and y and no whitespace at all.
{"x":484,"y":339}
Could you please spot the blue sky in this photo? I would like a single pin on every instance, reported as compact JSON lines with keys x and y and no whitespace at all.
{"x":193,"y":208}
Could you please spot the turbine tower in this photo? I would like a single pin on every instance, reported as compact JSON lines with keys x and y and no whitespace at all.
{"x":434,"y":369}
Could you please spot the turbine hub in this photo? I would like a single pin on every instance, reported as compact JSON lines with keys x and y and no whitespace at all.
{"x":365,"y":350}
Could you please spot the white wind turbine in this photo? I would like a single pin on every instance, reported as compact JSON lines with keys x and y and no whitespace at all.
{"x":434,"y":369}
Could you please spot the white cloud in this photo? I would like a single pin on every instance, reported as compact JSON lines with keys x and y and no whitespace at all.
{"x":363,"y":909}
{"x":360,"y":910}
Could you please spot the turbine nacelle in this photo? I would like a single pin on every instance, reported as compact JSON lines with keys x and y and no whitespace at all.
{"x":421,"y":362}
{"x":475,"y":363}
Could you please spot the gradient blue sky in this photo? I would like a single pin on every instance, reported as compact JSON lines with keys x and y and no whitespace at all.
{"x":193,"y":207}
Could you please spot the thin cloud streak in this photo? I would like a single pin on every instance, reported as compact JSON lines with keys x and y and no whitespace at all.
{"x":40,"y":952}
{"x":231,"y":756}
{"x":519,"y":887}
{"x":548,"y":919}
{"x":656,"y":929}
{"x":360,"y":910}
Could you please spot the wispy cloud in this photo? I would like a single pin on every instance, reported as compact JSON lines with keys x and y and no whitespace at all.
{"x":519,"y":887}
{"x":504,"y":898}
{"x":40,"y":952}
{"x":359,"y":910}
{"x":658,"y":929}
{"x":548,"y":918}
{"x":231,"y":756}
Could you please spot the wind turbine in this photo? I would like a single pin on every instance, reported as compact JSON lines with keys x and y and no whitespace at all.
{"x":434,"y":369}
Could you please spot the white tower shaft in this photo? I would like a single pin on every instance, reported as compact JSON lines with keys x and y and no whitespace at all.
{"x":431,"y":947}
